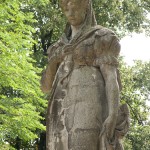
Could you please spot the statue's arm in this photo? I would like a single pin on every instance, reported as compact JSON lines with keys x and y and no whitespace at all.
{"x":107,"y":52}
{"x":49,"y":73}
{"x":109,"y":73}
{"x":48,"y":76}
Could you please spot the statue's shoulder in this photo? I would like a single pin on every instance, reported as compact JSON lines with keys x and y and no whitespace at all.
{"x":100,"y":30}
{"x":54,"y":49}
{"x":106,"y":41}
{"x":105,"y":33}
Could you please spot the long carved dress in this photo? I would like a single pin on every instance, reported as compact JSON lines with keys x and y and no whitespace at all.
{"x":78,"y":105}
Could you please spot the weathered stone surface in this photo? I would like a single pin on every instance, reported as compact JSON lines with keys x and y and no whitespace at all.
{"x":82,"y":76}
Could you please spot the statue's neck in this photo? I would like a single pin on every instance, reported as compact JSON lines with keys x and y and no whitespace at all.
{"x":75,"y":30}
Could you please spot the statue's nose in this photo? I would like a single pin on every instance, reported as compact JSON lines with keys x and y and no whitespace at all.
{"x":70,"y":13}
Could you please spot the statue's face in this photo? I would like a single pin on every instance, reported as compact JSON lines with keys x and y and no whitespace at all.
{"x":74,"y":11}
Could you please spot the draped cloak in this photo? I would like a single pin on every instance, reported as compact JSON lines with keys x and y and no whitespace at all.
{"x":78,"y":104}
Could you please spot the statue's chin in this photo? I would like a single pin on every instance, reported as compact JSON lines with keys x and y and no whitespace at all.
{"x":75,"y":23}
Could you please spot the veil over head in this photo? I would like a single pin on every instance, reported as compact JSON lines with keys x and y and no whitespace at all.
{"x":89,"y":21}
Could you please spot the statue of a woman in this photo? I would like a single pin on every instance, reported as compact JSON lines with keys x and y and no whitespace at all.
{"x":83,"y":111}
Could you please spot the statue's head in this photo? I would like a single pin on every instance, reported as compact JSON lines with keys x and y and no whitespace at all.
{"x":75,"y":10}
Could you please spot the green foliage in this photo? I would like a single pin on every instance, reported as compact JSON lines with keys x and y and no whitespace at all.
{"x":123,"y":16}
{"x":20,"y":97}
{"x":48,"y":27}
{"x":136,"y":91}
{"x":139,"y":137}
{"x":5,"y":146}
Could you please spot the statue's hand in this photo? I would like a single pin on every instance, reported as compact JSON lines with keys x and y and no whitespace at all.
{"x":109,"y":127}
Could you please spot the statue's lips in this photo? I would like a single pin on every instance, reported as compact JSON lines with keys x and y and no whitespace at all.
{"x":72,"y":19}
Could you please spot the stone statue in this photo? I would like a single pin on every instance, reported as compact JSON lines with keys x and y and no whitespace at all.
{"x":84,"y":84}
